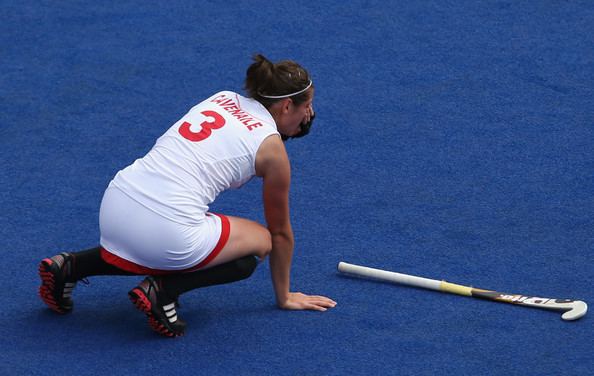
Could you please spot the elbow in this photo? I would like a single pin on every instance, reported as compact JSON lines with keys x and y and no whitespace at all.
{"x":282,"y":239}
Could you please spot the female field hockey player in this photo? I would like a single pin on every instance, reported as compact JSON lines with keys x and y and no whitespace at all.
{"x":154,"y":217}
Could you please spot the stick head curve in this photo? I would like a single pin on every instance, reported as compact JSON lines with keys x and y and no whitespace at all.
{"x":578,"y":309}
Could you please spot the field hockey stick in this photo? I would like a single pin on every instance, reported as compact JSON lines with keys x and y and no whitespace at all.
{"x":572,"y":309}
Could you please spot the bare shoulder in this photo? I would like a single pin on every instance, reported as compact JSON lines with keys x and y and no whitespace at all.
{"x":271,"y":156}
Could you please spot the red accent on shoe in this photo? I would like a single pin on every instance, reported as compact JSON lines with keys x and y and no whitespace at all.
{"x":142,"y":303}
{"x":47,"y":286}
{"x":140,"y":300}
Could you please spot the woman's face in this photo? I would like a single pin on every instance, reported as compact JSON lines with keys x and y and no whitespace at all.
{"x":294,"y":116}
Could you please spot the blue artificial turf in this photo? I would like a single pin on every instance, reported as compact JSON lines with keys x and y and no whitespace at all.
{"x":453,"y":140}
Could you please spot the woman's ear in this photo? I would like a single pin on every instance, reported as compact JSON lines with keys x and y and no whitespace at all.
{"x":287,"y":105}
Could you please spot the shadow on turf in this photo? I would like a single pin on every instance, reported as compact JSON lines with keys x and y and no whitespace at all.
{"x":124,"y":321}
{"x":120,"y":321}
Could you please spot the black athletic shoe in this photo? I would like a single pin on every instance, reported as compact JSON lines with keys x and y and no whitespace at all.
{"x":55,"y":289}
{"x":149,"y":298}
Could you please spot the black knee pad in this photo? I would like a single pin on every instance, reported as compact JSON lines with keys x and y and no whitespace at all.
{"x":245,"y":266}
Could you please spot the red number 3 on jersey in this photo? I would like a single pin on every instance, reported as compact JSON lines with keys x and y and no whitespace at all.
{"x":207,"y":127}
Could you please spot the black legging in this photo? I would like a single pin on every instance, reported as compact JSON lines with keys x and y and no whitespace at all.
{"x":90,"y":263}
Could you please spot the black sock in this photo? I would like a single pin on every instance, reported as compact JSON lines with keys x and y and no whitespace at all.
{"x":89,"y":263}
{"x":236,"y":270}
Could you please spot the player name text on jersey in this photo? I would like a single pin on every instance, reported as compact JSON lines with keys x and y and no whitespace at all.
{"x":233,"y":108}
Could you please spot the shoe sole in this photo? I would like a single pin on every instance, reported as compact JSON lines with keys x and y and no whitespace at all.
{"x":46,"y":290}
{"x":143,"y":304}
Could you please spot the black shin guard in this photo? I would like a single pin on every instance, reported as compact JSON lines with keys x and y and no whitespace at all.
{"x":89,"y":263}
{"x":236,"y":270}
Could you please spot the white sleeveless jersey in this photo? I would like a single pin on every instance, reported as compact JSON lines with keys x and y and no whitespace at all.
{"x":211,"y":149}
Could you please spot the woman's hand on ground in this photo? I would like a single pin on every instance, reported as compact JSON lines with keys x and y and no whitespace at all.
{"x":299,"y":301}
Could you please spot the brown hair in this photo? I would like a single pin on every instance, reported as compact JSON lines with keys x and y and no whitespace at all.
{"x":285,"y":77}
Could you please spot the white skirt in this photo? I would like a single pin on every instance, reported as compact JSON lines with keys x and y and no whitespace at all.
{"x":139,"y":235}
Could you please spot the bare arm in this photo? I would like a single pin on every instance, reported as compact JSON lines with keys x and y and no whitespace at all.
{"x":272,"y":164}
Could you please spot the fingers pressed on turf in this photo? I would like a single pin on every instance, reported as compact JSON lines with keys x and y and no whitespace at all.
{"x":323,"y":298}
{"x":323,"y":301}
{"x":318,"y":308}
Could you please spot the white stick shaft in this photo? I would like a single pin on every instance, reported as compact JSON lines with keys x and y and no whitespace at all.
{"x":385,"y":275}
{"x":573,"y":309}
